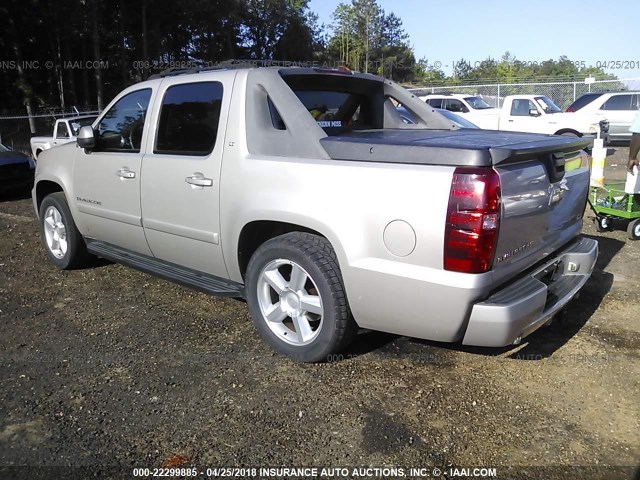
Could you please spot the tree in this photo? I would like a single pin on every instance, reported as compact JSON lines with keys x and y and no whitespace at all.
{"x":462,"y":69}
{"x":367,"y":39}
{"x":278,"y":29}
{"x":301,"y":37}
{"x":425,"y":73}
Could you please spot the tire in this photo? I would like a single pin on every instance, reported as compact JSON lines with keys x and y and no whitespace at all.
{"x":603,"y":224}
{"x":634,"y":229}
{"x":62,"y":241}
{"x":296,"y":297}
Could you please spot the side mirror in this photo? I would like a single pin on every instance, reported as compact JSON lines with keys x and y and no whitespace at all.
{"x":534,"y":112}
{"x":464,"y":109}
{"x":86,"y":138}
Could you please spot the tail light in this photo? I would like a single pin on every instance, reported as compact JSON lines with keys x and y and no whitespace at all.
{"x":569,"y":110}
{"x":574,"y":162}
{"x":473,"y":220}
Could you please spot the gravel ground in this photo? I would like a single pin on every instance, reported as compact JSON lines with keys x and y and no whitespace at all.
{"x":108,"y":366}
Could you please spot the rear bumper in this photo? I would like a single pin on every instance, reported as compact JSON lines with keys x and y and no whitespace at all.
{"x":522,"y":307}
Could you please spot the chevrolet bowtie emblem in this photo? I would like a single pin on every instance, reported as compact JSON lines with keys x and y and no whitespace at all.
{"x":556,"y":192}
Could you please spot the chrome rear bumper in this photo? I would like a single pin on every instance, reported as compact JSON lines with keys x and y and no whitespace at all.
{"x":522,"y":307}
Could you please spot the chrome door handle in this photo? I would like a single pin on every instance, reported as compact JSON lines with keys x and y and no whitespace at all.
{"x":199,"y":180}
{"x":124,"y":173}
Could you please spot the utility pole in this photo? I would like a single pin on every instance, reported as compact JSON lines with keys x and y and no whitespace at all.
{"x":366,"y":42}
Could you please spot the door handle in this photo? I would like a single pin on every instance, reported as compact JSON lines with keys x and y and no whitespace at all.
{"x":199,"y":180}
{"x":125,"y":173}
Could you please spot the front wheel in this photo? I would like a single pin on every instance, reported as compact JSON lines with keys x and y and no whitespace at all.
{"x":296,"y":296}
{"x":62,"y":240}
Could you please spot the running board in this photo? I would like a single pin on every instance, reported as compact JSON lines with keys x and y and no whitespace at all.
{"x":169,"y":271}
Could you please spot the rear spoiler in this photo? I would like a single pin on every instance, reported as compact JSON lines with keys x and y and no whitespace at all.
{"x":464,"y":147}
{"x":538,"y":149}
{"x":552,"y":155}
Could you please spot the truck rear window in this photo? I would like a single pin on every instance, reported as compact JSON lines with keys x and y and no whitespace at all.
{"x":340,"y":103}
{"x":334,"y":109}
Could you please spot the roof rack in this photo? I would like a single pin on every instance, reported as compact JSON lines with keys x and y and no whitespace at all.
{"x":232,"y":64}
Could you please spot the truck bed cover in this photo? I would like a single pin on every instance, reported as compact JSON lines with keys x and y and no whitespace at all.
{"x":463,"y":147}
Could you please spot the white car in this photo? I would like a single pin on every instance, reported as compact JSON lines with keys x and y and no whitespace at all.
{"x":471,"y":107}
{"x":619,"y":108}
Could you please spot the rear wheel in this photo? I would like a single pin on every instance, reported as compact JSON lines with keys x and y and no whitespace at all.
{"x":603,"y":224}
{"x":296,"y":297}
{"x":62,"y":240}
{"x":634,"y":229}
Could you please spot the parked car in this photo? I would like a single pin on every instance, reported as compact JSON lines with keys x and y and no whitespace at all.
{"x":65,"y":130}
{"x":303,"y":191}
{"x":472,"y":107}
{"x":457,"y":120}
{"x":619,"y":108}
{"x":456,"y":102}
{"x":16,"y":170}
{"x":524,"y":113}
{"x":406,"y":116}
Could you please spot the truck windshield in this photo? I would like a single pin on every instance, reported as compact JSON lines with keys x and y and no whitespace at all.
{"x":547,"y":105}
{"x":477,"y":103}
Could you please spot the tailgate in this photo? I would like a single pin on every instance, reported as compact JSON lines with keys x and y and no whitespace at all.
{"x":543,"y":200}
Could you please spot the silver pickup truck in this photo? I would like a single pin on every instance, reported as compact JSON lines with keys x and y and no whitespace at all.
{"x":304,"y":192}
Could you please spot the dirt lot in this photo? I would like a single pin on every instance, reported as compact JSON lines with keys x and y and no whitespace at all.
{"x":110,"y":367}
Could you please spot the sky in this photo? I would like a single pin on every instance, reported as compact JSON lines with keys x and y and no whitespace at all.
{"x":443,"y":32}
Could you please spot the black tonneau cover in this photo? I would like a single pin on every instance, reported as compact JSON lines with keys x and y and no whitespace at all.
{"x":461,"y":147}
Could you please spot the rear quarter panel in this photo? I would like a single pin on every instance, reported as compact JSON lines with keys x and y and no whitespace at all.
{"x":351,"y":204}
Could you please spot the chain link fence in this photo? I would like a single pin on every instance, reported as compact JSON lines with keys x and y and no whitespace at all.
{"x":562,"y":93}
{"x":16,"y":128}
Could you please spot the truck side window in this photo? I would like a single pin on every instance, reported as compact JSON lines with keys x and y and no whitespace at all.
{"x":120,"y":130}
{"x":435,"y":102}
{"x":62,"y":131}
{"x":189,"y":119}
{"x":454,"y":105}
{"x":521,"y":106}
